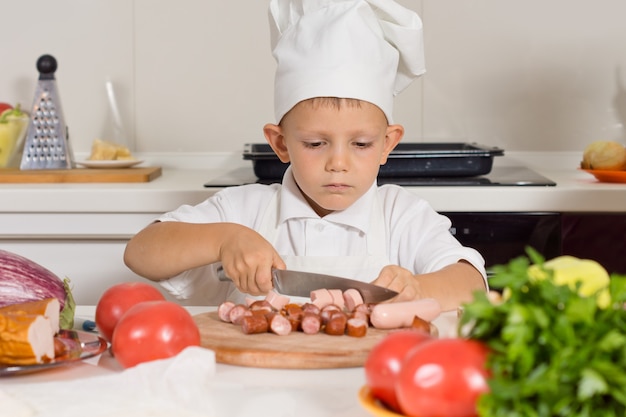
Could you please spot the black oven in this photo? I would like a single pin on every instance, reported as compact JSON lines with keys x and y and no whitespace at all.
{"x":502,"y":236}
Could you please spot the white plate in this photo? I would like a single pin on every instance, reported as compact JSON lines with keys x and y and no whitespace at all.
{"x":110,"y":164}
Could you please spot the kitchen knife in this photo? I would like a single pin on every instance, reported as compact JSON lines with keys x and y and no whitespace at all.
{"x":300,"y":284}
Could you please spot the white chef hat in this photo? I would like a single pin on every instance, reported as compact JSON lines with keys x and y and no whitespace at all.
{"x":363,"y":49}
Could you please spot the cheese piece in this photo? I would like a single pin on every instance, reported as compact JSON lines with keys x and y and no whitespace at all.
{"x":25,"y":339}
{"x":49,"y":308}
{"x":102,"y":150}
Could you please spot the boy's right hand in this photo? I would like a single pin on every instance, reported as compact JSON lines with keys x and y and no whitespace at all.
{"x":248,"y":259}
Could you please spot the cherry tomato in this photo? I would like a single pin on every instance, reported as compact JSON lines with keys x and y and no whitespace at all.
{"x":5,"y":106}
{"x":385,"y":360}
{"x":443,"y":378}
{"x":153,"y":330}
{"x":116,"y":300}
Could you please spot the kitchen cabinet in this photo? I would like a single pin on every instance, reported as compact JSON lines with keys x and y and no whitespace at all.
{"x":92,"y":265}
{"x":87,"y":248}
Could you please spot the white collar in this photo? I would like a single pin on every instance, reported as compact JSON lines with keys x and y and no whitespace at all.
{"x":293,"y":205}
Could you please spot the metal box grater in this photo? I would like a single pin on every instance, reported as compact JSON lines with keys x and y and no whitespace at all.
{"x":47,"y":140}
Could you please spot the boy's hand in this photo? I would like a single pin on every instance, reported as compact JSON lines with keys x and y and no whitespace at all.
{"x":400,"y":280}
{"x":248,"y":259}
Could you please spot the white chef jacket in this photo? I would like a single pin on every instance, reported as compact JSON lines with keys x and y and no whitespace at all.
{"x":417,"y":237}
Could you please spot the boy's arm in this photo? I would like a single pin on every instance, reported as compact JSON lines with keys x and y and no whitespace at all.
{"x":452,"y":285}
{"x":165,"y":249}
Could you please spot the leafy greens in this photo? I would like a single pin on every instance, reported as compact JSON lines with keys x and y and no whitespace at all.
{"x":554,"y":352}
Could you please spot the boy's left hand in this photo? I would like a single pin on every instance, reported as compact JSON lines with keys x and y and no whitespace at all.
{"x":400,"y":280}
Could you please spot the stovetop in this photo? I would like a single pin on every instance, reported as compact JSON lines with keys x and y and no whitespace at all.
{"x":499,"y":176}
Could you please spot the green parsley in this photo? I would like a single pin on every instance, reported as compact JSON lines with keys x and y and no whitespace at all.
{"x":554,"y":352}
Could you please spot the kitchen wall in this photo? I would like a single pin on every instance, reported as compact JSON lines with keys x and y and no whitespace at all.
{"x":195,"y":76}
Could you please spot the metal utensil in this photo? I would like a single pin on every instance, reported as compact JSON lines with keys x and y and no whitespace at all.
{"x":47,"y":145}
{"x":300,"y":284}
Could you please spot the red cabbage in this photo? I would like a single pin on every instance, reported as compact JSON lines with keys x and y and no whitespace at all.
{"x":23,"y":280}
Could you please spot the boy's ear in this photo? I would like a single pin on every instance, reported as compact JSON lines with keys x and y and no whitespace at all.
{"x":393,"y":137}
{"x":274,"y":136}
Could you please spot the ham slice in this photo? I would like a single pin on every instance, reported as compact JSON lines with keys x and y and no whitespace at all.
{"x":25,"y":339}
{"x":27,"y":332}
{"x":49,"y":308}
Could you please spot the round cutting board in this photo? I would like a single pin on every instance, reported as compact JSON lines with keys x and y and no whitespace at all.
{"x":294,"y":351}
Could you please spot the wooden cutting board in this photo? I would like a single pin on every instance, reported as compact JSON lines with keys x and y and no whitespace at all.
{"x":80,"y":175}
{"x":294,"y":351}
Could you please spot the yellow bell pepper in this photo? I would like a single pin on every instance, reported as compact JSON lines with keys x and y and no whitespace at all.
{"x":568,"y":270}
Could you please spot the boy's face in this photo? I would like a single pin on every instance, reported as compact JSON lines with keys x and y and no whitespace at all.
{"x":335,"y":152}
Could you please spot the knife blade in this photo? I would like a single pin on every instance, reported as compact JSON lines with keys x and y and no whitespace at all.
{"x":300,"y":284}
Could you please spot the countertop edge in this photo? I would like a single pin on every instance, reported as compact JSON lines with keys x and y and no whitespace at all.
{"x":182,"y":183}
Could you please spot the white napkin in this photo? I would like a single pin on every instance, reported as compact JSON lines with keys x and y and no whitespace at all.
{"x":177,"y":386}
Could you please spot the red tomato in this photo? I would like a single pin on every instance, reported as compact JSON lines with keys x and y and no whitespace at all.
{"x":443,"y":378}
{"x":385,"y":360}
{"x":153,"y":330}
{"x":115,"y":301}
{"x":5,"y":106}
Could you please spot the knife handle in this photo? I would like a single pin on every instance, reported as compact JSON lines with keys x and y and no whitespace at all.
{"x":221,"y":275}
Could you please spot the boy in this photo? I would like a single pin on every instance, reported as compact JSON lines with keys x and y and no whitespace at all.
{"x":339,"y":65}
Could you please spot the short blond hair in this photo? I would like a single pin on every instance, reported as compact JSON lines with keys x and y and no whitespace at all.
{"x":332,"y":102}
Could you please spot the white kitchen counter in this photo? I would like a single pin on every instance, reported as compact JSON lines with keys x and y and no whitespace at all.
{"x":309,"y":392}
{"x":182,"y":183}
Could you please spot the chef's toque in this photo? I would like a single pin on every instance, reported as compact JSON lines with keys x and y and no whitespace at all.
{"x":362,"y":49}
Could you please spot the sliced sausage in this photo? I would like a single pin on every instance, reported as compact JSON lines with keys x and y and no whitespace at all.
{"x":238,"y":312}
{"x":279,"y":324}
{"x":401,"y":314}
{"x":296,"y":323}
{"x":352,"y":298}
{"x":311,"y":308}
{"x":261,"y":305}
{"x":356,"y":327}
{"x":420,"y":324}
{"x":336,"y":325}
{"x":311,"y":323}
{"x":365,"y":308}
{"x":327,"y":311}
{"x":337,"y":296}
{"x":360,"y":315}
{"x":278,"y":301}
{"x":253,"y":324}
{"x":321,"y":297}
{"x":223,"y":311}
{"x":293,"y":310}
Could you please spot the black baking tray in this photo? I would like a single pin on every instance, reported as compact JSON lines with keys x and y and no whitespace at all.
{"x":407,"y":160}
